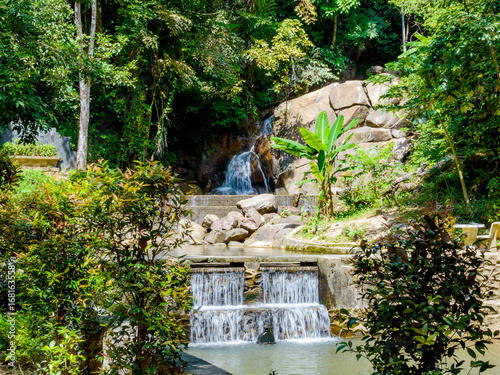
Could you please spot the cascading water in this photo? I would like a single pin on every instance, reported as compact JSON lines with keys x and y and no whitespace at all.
{"x":238,"y":180}
{"x":290,"y":306}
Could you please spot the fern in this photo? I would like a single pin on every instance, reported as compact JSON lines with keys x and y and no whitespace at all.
{"x":266,"y":7}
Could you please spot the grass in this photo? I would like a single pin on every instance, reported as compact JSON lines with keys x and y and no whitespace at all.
{"x":31,"y":181}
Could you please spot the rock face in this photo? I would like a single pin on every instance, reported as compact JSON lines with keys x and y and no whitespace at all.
{"x":262,"y":203}
{"x":352,"y":99}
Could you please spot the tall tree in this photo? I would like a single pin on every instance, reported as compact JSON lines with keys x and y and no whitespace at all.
{"x":85,"y":82}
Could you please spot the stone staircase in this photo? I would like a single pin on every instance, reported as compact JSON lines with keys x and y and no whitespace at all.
{"x":221,"y":205}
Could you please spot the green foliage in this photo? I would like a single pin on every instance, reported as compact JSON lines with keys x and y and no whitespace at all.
{"x":371,"y":174}
{"x":29,"y":149}
{"x":425,"y":295}
{"x":9,"y":172}
{"x":93,"y":247}
{"x":134,"y":212}
{"x":322,"y":150}
{"x":30,"y":181}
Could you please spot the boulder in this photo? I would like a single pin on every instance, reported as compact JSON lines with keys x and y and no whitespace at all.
{"x":208,"y":220}
{"x":271,"y":218}
{"x":263,"y":203}
{"x":348,"y":94}
{"x":302,"y":111}
{"x":249,"y":225}
{"x":376,"y":69}
{"x":237,"y":234}
{"x":235,"y":244}
{"x":381,"y":119}
{"x":270,"y":235}
{"x":224,"y":224}
{"x":398,"y":133}
{"x":358,"y":111}
{"x":366,"y":134}
{"x":265,"y":165}
{"x":375,"y":91}
{"x":189,"y":187}
{"x":254,"y":215}
{"x":281,"y":191}
{"x":401,"y":148}
{"x":292,"y":219}
{"x":237,"y":215}
{"x":196,"y":233}
{"x":215,"y":236}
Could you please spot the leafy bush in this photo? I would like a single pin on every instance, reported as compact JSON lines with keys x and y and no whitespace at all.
{"x":9,"y":172}
{"x":425,"y":295}
{"x":92,"y":255}
{"x":29,"y":149}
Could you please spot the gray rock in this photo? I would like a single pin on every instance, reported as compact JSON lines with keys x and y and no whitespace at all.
{"x":401,"y":148}
{"x":215,"y":236}
{"x":237,"y":234}
{"x":195,"y":233}
{"x":398,"y":133}
{"x":263,"y":203}
{"x":224,"y":224}
{"x":358,"y":111}
{"x":274,"y":218}
{"x":292,"y":219}
{"x":376,"y":69}
{"x":235,"y":244}
{"x":367,"y":135}
{"x":270,"y":235}
{"x":237,"y":215}
{"x":254,"y":215}
{"x":281,"y":191}
{"x":249,"y":225}
{"x":348,"y":94}
{"x":375,"y":91}
{"x":208,"y":220}
{"x":381,"y":119}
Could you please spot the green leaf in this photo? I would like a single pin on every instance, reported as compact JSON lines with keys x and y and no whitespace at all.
{"x":322,"y":127}
{"x":312,"y":140}
{"x":471,"y":352}
{"x":315,"y":171}
{"x":334,"y":133}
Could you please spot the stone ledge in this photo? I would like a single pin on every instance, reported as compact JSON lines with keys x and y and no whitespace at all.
{"x":290,"y":242}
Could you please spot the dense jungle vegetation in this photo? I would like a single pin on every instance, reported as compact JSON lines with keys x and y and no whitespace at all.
{"x":132,"y":80}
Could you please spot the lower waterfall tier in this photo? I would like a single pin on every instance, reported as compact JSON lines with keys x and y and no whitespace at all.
{"x":246,"y":323}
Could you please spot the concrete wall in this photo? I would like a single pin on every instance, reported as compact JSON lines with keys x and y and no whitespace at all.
{"x":62,"y":144}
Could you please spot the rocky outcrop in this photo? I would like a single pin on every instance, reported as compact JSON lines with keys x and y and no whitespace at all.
{"x":352,"y":99}
{"x":224,"y":224}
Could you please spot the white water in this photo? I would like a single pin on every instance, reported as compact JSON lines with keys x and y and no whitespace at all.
{"x":290,"y":306}
{"x":238,"y":180}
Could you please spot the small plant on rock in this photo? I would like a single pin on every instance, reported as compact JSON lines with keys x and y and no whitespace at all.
{"x":425,"y":293}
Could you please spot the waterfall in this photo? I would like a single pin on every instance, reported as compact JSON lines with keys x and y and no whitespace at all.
{"x":289,"y":305}
{"x":238,"y":180}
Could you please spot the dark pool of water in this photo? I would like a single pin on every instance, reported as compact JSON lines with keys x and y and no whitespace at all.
{"x":299,"y":358}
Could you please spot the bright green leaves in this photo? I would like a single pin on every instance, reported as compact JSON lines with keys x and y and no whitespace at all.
{"x":423,"y":306}
{"x":323,"y":148}
{"x":314,"y":141}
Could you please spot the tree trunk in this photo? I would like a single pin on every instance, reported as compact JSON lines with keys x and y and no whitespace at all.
{"x":334,"y":30}
{"x":81,"y":154}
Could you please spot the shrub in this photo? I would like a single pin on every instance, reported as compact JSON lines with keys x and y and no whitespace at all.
{"x":9,"y":172}
{"x":29,"y":149}
{"x":425,"y":295}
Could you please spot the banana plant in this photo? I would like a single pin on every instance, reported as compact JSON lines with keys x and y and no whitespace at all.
{"x":322,"y":149}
